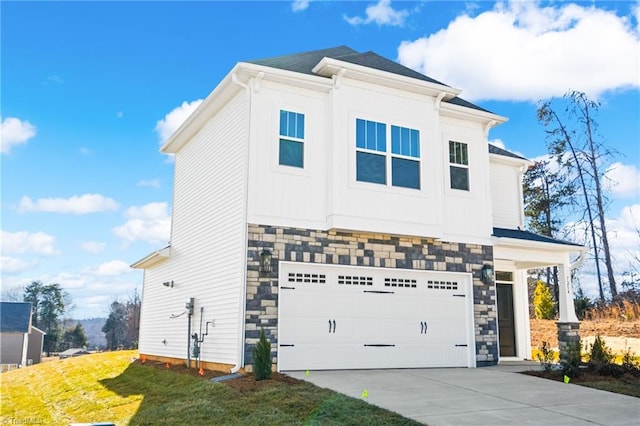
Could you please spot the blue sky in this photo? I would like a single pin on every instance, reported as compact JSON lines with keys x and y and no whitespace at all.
{"x":90,"y":90}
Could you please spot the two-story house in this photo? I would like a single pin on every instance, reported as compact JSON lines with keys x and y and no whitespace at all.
{"x":351,"y":208}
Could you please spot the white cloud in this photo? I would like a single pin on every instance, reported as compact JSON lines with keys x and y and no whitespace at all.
{"x":54,"y":79}
{"x":92,"y":247}
{"x":111,"y":268}
{"x":525,"y":52}
{"x":299,"y":5}
{"x":497,"y":142}
{"x":83,"y":204}
{"x":150,"y":222}
{"x":14,"y":131}
{"x":120,"y":114}
{"x":14,"y":265}
{"x":623,"y":180}
{"x":25,"y":242}
{"x":154,"y":183}
{"x":85,"y":151}
{"x":380,"y":13}
{"x":170,"y":123}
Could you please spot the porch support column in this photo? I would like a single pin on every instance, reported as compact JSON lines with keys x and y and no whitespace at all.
{"x":566,"y":307}
{"x":568,"y":324}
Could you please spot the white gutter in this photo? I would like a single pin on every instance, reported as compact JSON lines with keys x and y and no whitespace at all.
{"x":243,"y":292}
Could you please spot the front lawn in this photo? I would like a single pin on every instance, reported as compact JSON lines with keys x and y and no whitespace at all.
{"x":114,"y":387}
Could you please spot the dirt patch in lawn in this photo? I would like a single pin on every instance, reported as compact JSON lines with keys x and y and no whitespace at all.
{"x":243,"y":384}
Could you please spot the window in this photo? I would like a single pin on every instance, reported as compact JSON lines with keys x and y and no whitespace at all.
{"x":373,"y":158}
{"x":291,"y":152}
{"x":459,"y":165}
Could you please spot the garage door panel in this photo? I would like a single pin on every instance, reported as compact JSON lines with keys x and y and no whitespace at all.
{"x":361,"y":317}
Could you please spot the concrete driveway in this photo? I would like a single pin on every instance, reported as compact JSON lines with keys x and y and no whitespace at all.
{"x":480,"y":396}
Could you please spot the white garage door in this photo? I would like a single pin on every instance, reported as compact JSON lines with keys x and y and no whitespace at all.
{"x":338,"y":317}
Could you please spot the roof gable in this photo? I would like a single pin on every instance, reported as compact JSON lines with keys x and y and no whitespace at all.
{"x":15,"y":317}
{"x":305,"y":62}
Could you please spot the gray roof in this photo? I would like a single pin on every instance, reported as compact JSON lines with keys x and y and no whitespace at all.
{"x":15,"y":317}
{"x":305,"y":61}
{"x":499,"y":151}
{"x":519,"y":234}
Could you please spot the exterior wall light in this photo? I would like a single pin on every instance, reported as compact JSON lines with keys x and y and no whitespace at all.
{"x":168,"y":284}
{"x":487,"y":274}
{"x":265,"y":261}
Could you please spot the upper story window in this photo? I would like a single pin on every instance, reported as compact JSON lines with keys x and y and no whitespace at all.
{"x":459,"y":165}
{"x":373,"y":157}
{"x":291,"y":151}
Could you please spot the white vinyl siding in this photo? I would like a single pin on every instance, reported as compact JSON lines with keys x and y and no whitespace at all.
{"x":505,"y":196}
{"x":208,"y":244}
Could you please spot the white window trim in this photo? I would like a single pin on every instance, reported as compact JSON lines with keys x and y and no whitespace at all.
{"x":387,"y":186}
{"x":275,"y":141}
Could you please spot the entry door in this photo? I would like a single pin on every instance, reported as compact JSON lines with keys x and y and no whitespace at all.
{"x":506,"y":321}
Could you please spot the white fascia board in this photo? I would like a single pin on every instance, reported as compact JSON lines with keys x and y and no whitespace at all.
{"x":329,"y":67}
{"x":457,"y":111}
{"x":510,"y":161}
{"x":223,"y":92}
{"x":38,"y":330}
{"x":153,"y":259}
{"x":536,"y":245}
{"x":227,"y":89}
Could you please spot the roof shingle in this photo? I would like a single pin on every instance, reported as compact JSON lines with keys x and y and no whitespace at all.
{"x":15,"y":317}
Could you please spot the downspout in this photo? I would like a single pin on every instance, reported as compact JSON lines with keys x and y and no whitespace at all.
{"x":243,"y":292}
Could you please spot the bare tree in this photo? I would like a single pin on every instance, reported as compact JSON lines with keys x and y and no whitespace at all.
{"x":573,"y":142}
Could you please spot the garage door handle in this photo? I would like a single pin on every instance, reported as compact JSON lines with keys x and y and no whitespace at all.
{"x":334,"y":326}
{"x":423,"y":327}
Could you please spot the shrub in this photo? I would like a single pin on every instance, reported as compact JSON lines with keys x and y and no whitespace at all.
{"x":543,"y":301}
{"x":630,"y":363}
{"x":572,"y":359}
{"x":262,"y":358}
{"x":600,"y":355}
{"x":546,"y":356}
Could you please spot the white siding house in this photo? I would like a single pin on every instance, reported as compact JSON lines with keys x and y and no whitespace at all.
{"x":353,"y":210}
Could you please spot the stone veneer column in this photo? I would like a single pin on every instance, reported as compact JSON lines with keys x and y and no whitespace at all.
{"x":362,"y":249}
{"x":568,"y":336}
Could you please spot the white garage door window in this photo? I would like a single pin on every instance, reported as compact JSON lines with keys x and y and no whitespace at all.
{"x":344,"y":317}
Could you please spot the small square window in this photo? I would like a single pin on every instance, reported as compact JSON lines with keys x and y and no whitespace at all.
{"x":405,"y":173}
{"x":459,"y":177}
{"x":291,"y":153}
{"x":371,"y":167}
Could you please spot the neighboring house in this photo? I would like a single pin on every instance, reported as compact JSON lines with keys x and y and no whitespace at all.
{"x":73,"y":352}
{"x":352,"y":209}
{"x":20,"y":342}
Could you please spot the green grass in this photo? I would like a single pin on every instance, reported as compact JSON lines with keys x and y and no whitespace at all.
{"x":109,"y":387}
{"x":616,"y":386}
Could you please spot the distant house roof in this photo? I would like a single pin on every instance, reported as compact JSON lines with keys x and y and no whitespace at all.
{"x":15,"y":317}
{"x":305,"y":62}
{"x":499,"y":151}
{"x":73,"y":352}
{"x":529,"y":236}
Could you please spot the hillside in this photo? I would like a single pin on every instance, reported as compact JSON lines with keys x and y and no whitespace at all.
{"x":618,"y":335}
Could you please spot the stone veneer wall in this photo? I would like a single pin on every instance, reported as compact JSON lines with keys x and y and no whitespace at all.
{"x":361,"y":249}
